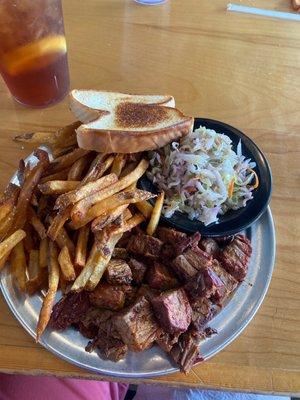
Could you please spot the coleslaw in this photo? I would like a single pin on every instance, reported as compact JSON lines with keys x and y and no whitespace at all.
{"x":202,"y":176}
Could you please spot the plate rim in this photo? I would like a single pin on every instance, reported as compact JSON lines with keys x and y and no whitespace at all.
{"x":124,"y":374}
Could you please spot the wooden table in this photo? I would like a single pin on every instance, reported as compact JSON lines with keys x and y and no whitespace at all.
{"x":235,"y":68}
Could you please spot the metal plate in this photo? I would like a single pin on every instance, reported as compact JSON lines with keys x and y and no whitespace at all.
{"x":234,"y":317}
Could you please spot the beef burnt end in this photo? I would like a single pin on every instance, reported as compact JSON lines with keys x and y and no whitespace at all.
{"x":206,"y":284}
{"x":159,"y":277}
{"x":145,"y":245}
{"x":210,"y":246}
{"x":235,"y":257}
{"x":138,"y":270}
{"x":137,"y":326}
{"x":118,"y":272}
{"x":187,"y":351}
{"x":169,"y":235}
{"x":107,"y":296}
{"x":172,"y":310}
{"x":69,"y":310}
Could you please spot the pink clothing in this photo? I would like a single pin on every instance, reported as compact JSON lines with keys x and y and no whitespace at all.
{"x":21,"y":387}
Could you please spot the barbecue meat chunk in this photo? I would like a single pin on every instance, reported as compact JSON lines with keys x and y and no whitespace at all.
{"x":159,"y":277}
{"x":198,"y":258}
{"x":138,"y":270}
{"x":148,"y":292}
{"x":229,"y":281}
{"x":235,"y":257}
{"x":91,"y":321}
{"x":190,"y":242}
{"x":137,"y":326}
{"x":130,"y":293}
{"x":145,"y":245}
{"x":169,"y":235}
{"x":173,"y":311}
{"x":118,"y":272}
{"x":69,"y":310}
{"x":107,"y":296}
{"x":120,"y":252}
{"x":210,"y":246}
{"x":183,"y":269}
{"x":187,"y":352}
{"x":110,"y":348}
{"x":203,"y":311}
{"x":206,"y":284}
{"x":167,"y":340}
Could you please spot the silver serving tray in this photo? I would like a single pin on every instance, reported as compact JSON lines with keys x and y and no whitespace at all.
{"x":229,"y":322}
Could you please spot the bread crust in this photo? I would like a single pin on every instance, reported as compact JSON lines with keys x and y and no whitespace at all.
{"x":124,"y":141}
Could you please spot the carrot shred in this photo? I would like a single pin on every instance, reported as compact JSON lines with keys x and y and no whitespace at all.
{"x":230,"y":188}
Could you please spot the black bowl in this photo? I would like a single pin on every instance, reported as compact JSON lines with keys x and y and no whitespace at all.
{"x":233,"y":221}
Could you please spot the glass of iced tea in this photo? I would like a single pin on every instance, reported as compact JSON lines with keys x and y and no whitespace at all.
{"x":33,"y":51}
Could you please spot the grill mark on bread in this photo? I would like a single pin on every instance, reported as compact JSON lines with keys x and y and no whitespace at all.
{"x":139,"y":115}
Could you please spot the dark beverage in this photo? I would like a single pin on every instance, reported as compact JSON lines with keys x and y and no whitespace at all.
{"x":33,"y":53}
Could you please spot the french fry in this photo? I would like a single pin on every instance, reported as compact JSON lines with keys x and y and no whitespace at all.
{"x":81,"y":246}
{"x":63,"y":137}
{"x":37,"y":283}
{"x":66,"y":136}
{"x":82,"y":206}
{"x":8,"y":200}
{"x":77,"y":169}
{"x":37,"y":223}
{"x":108,"y":204}
{"x":87,"y":190}
{"x":63,"y":240}
{"x":35,"y":138}
{"x":42,"y":156}
{"x":58,"y":222}
{"x":98,"y":167}
{"x":61,"y":175}
{"x":156,"y":213}
{"x":34,"y":201}
{"x":43,"y":253}
{"x":86,"y":272}
{"x":128,"y":225}
{"x":63,"y":284}
{"x":52,"y":289}
{"x":19,"y":265}
{"x":66,"y":264}
{"x":107,"y":218}
{"x":29,"y":240}
{"x":58,"y":187}
{"x":25,"y":196}
{"x":102,"y":263}
{"x":33,"y":264}
{"x":6,"y":225}
{"x":10,"y":242}
{"x":145,"y":208}
{"x":66,"y":161}
{"x":118,"y":164}
{"x":58,"y":152}
{"x":3,"y":260}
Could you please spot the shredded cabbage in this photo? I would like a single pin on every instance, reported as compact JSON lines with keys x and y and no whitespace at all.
{"x":202,"y":175}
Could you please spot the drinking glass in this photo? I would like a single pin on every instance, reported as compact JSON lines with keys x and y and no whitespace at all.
{"x":33,"y":51}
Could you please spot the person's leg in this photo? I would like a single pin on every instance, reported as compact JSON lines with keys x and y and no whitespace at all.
{"x":16,"y":387}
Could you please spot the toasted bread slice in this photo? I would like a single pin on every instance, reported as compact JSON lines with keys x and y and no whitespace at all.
{"x":88,"y":105}
{"x":134,"y":127}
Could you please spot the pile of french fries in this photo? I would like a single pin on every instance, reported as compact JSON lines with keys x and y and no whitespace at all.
{"x":60,"y":226}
